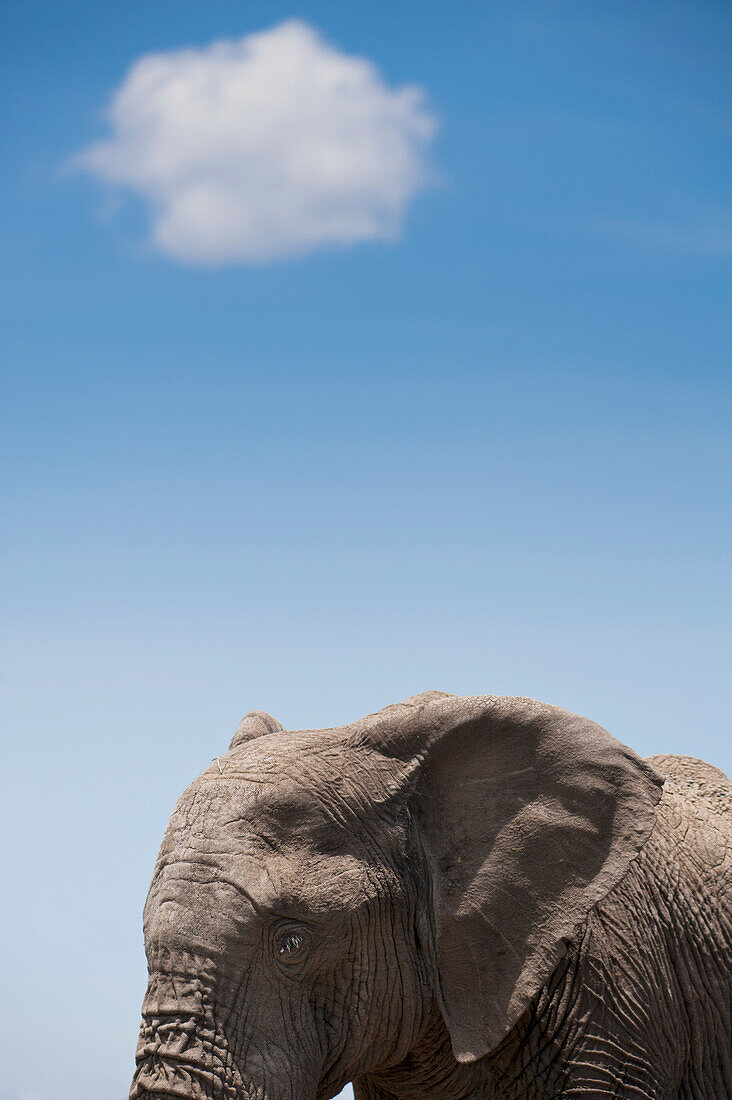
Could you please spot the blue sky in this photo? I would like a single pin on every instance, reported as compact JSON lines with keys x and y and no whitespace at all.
{"x":491,"y":455}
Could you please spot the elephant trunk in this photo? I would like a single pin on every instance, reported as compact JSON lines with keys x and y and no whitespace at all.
{"x":158,"y":1096}
{"x":184,"y":1053}
{"x":180,"y":1096}
{"x":177,"y":1057}
{"x":180,"y":1050}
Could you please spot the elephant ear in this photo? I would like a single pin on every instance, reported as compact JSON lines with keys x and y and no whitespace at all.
{"x":529,"y":816}
{"x":255,"y":724}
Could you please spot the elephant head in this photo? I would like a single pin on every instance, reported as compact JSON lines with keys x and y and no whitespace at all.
{"x":321,"y":896}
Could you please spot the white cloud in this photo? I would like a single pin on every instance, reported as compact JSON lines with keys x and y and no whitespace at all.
{"x":271,"y":145}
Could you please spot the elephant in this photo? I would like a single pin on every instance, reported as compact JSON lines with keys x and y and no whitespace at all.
{"x":454,"y":898}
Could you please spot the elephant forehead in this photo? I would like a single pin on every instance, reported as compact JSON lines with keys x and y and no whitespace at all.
{"x":209,"y":897}
{"x":299,"y":800}
{"x":244,"y":810}
{"x":192,"y":909}
{"x":209,"y":806}
{"x":277,"y":845}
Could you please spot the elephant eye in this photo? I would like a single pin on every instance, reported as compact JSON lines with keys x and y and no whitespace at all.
{"x":290,"y":944}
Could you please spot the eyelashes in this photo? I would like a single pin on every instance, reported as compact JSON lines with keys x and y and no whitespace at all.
{"x":291,"y":943}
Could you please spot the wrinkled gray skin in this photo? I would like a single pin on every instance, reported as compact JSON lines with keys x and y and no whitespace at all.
{"x":453,"y":898}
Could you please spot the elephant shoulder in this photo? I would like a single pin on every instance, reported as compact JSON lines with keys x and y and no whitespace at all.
{"x":702,"y":789}
{"x":695,"y":819}
{"x":689,"y":771}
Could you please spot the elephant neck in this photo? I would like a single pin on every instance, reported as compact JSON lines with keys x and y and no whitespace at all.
{"x":429,"y":1070}
{"x":527,"y":1057}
